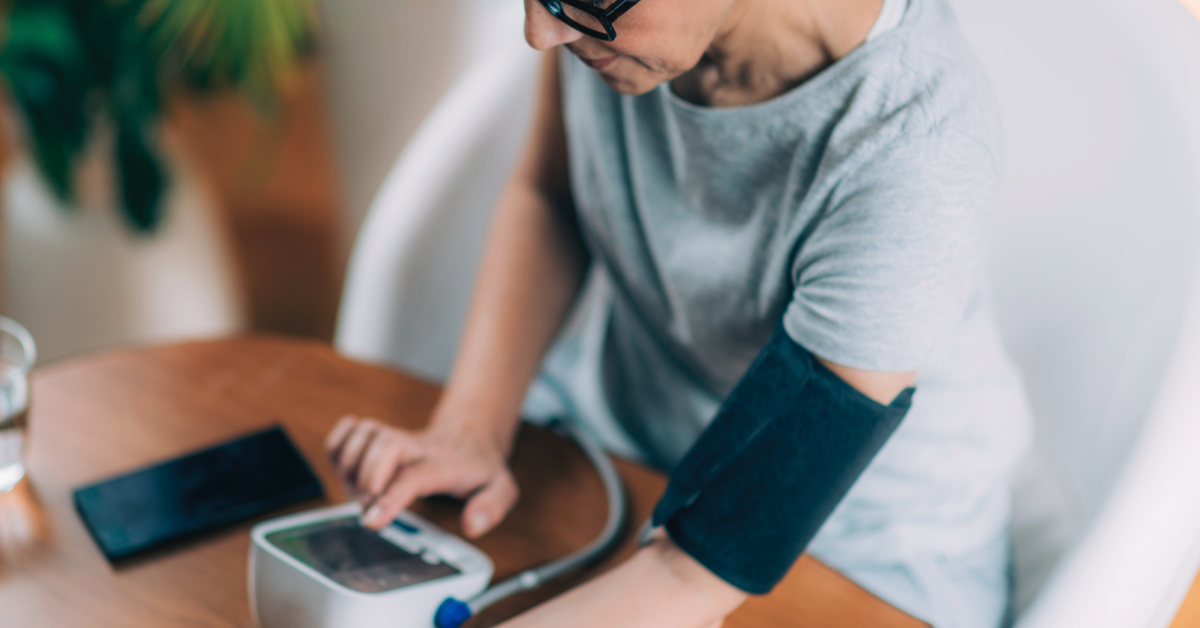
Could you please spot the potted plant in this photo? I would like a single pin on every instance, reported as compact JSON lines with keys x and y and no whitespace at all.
{"x":113,"y":217}
{"x":70,"y":62}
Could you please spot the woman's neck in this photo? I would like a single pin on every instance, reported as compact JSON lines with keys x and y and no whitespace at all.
{"x":766,"y":47}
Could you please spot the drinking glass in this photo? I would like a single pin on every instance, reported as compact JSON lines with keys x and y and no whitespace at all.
{"x":17,"y":355}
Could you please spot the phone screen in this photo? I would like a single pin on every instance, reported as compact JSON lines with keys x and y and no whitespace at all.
{"x":196,"y":492}
{"x":358,"y":558}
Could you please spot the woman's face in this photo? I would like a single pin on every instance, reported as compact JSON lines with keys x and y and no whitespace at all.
{"x":657,"y":40}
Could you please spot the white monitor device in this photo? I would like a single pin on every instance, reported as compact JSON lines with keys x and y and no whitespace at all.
{"x":321,"y":569}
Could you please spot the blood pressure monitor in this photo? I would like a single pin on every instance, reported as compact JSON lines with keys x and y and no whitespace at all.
{"x":322,"y":568}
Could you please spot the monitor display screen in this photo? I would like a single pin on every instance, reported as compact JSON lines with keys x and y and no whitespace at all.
{"x":357,"y":558}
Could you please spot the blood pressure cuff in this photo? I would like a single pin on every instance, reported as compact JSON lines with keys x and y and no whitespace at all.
{"x":782,"y":451}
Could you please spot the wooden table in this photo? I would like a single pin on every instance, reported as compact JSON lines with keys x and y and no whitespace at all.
{"x":101,"y":415}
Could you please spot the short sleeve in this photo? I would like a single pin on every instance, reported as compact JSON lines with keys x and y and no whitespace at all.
{"x":887,"y":274}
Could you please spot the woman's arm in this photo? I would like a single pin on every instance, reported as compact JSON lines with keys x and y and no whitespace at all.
{"x":530,"y":273}
{"x":662,"y":585}
{"x":877,"y":385}
{"x":659,"y":587}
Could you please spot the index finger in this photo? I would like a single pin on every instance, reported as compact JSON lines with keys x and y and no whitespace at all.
{"x":419,"y":480}
{"x":384,"y":457}
{"x":338,"y":434}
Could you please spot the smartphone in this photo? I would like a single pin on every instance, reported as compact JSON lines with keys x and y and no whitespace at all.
{"x":196,"y":492}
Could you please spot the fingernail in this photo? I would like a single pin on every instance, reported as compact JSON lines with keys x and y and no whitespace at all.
{"x":374,"y":514}
{"x":479,"y":523}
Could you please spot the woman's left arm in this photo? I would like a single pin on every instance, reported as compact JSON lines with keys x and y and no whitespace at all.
{"x":658,"y":587}
{"x":878,"y":386}
{"x":661,"y":586}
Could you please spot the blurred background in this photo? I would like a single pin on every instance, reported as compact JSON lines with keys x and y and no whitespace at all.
{"x":175,"y":169}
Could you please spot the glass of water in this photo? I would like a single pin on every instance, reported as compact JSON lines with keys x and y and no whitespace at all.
{"x":17,"y":355}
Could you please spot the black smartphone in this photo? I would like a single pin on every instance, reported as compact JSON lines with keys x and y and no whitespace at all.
{"x":196,"y":492}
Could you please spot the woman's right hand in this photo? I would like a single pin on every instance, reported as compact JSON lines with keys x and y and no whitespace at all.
{"x":531,"y":271}
{"x":391,"y":467}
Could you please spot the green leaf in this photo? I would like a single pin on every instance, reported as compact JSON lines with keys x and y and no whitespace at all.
{"x":141,"y":176}
{"x":66,"y":61}
{"x":255,"y":46}
{"x":46,"y":67}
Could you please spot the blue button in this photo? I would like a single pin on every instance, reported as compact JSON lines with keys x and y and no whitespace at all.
{"x":406,"y":526}
{"x":451,"y":614}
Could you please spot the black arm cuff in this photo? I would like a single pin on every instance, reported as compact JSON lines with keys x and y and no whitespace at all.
{"x":783,"y":450}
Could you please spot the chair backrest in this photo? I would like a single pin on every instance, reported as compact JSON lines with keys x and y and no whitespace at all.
{"x":413,"y":265}
{"x":1093,"y":267}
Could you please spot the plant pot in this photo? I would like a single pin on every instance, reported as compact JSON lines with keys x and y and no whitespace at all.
{"x":80,"y":278}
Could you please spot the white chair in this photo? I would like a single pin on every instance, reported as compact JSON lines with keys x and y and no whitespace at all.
{"x":1094,"y":268}
{"x":1095,"y":271}
{"x":413,"y":265}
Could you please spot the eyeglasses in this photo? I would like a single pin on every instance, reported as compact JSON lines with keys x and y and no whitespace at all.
{"x":593,"y":19}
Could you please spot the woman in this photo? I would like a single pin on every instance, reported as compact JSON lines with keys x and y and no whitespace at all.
{"x":783,"y":199}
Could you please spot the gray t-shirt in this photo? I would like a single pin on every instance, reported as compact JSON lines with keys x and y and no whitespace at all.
{"x":850,"y":208}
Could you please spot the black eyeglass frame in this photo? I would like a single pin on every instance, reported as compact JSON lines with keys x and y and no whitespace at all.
{"x":605,"y":16}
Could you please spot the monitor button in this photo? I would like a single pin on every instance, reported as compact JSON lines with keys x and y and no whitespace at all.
{"x":410,"y":544}
{"x":406,"y":526}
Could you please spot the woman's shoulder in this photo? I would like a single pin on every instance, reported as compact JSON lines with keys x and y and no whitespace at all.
{"x":926,"y":77}
{"x":915,"y":90}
